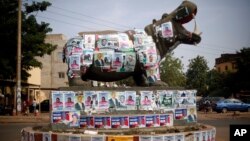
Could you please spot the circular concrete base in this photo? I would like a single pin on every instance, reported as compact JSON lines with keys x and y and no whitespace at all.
{"x":179,"y":133}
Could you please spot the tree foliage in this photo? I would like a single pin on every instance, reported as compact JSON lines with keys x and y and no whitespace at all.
{"x":171,"y":71}
{"x":197,"y":74}
{"x":32,"y":38}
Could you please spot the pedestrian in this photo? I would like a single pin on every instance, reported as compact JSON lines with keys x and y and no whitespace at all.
{"x":34,"y":104}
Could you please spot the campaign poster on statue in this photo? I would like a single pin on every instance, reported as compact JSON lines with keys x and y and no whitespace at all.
{"x":69,"y":103}
{"x":133,"y":121}
{"x":123,"y":40}
{"x":169,"y":138}
{"x":89,"y":41}
{"x":157,"y":138}
{"x":166,"y":98}
{"x":57,"y":117}
{"x":107,"y":58}
{"x":146,"y":99}
{"x":74,"y":138}
{"x":213,"y":134}
{"x":83,"y":121}
{"x":31,"y":136}
{"x":57,"y":100}
{"x":149,"y":120}
{"x":77,"y":46}
{"x":90,"y":122}
{"x":197,"y":136}
{"x":167,"y":30}
{"x":88,"y":99}
{"x":103,"y":99}
{"x":79,"y":101}
{"x":74,"y":118}
{"x":106,"y":122}
{"x":180,"y":99}
{"x":74,"y":62}
{"x":121,"y":101}
{"x":156,"y":120}
{"x":191,"y":114}
{"x":98,"y":138}
{"x":130,"y":99}
{"x":145,"y":138}
{"x":87,"y":57}
{"x":130,"y":61}
{"x":180,"y":114}
{"x":191,"y":97}
{"x":117,"y":60}
{"x":46,"y":137}
{"x":141,"y":121}
{"x":179,"y":137}
{"x":204,"y":136}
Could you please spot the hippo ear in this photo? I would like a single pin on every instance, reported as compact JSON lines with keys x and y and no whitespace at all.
{"x":164,"y":16}
{"x":154,"y":21}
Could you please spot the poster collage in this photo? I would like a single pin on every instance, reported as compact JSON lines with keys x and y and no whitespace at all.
{"x":112,"y":53}
{"x":205,"y":135}
{"x":88,"y":109}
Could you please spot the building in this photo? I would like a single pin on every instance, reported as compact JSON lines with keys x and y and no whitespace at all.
{"x":226,"y":63}
{"x":53,"y":73}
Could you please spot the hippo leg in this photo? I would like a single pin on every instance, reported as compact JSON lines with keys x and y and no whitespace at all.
{"x":140,"y":79}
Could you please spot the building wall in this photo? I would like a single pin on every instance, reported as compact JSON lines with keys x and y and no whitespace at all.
{"x":226,"y":63}
{"x":36,"y":76}
{"x":225,"y":67}
{"x":52,"y":65}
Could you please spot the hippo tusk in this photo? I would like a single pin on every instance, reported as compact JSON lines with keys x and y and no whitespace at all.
{"x":196,"y":29}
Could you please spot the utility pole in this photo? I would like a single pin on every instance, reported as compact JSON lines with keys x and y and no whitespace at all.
{"x":17,"y":100}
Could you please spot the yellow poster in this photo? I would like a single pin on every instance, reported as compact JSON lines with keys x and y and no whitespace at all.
{"x":120,"y":138}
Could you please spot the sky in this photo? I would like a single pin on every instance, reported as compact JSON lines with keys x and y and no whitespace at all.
{"x":225,"y":24}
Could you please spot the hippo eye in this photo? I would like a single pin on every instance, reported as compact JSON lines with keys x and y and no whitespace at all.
{"x":181,"y":13}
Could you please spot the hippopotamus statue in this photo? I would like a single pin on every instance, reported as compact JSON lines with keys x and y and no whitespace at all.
{"x":114,"y":56}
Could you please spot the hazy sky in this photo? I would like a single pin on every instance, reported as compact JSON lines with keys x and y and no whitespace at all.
{"x":225,"y":23}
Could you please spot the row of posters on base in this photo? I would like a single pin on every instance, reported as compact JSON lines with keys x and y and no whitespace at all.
{"x":135,"y":121}
{"x":122,"y":100}
{"x":208,"y":135}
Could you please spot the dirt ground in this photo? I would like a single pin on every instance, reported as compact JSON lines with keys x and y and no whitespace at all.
{"x":228,"y":115}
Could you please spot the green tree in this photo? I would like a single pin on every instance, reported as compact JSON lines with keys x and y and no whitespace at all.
{"x":171,"y":70}
{"x":197,"y":74}
{"x":32,"y":36}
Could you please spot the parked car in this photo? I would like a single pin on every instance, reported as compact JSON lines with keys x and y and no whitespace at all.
{"x":231,"y":104}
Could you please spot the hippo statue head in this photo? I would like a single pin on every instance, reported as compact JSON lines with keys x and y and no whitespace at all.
{"x":168,"y":32}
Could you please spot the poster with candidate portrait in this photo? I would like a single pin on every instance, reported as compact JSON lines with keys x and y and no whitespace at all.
{"x":74,"y":138}
{"x":146,"y":99}
{"x":141,"y":121}
{"x":77,"y":46}
{"x":103,"y":96}
{"x":133,"y":121}
{"x":179,"y":137}
{"x":88,"y":99}
{"x":167,"y":30}
{"x":120,"y":138}
{"x":166,"y":98}
{"x":197,"y":136}
{"x":108,"y":54}
{"x":98,"y":138}
{"x":169,"y":138}
{"x":166,"y":119}
{"x":180,"y":114}
{"x":106,"y":122}
{"x":191,"y":98}
{"x":83,"y":121}
{"x":123,"y":41}
{"x":180,"y":99}
{"x":117,"y":60}
{"x":46,"y":137}
{"x":204,"y":136}
{"x":31,"y":136}
{"x":156,"y":119}
{"x":90,"y":122}
{"x":57,"y":117}
{"x":121,"y":100}
{"x":69,"y":103}
{"x":191,"y":114}
{"x":74,"y":62}
{"x":130,"y":99}
{"x":150,"y":120}
{"x":87,"y":57}
{"x":89,"y":41}
{"x":157,"y":138}
{"x":145,"y":138}
{"x":57,"y":101}
{"x":130,"y":61}
{"x":74,"y":118}
{"x":98,"y":122}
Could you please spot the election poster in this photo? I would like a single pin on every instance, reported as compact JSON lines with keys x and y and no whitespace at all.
{"x":166,"y":119}
{"x":106,"y":122}
{"x":46,"y":136}
{"x":169,"y":138}
{"x":74,"y":62}
{"x":69,"y":103}
{"x":146,"y":99}
{"x":145,"y":138}
{"x":74,"y":138}
{"x":166,"y":98}
{"x":180,"y":114}
{"x":103,"y":99}
{"x":121,"y":101}
{"x":88,"y":99}
{"x":130,"y":99}
{"x":120,"y":122}
{"x":90,"y":122}
{"x":130,"y":61}
{"x":157,"y":138}
{"x":98,"y":121}
{"x":98,"y":138}
{"x":192,"y":114}
{"x":197,"y":136}
{"x":89,"y":41}
{"x":133,"y":121}
{"x":179,"y":137}
{"x":156,"y":119}
{"x":57,"y":117}
{"x":150,"y":120}
{"x":83,"y":121}
{"x":141,"y":121}
{"x":74,"y":118}
{"x":120,"y":138}
{"x":87,"y":57}
{"x":57,"y":100}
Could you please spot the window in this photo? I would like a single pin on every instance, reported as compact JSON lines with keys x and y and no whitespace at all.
{"x":61,"y":74}
{"x":226,"y":68}
{"x":59,"y":56}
